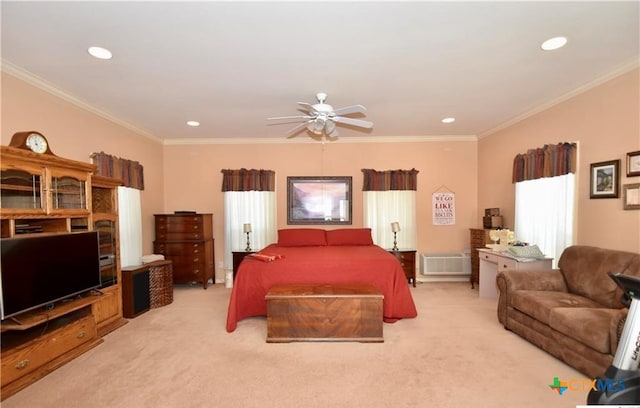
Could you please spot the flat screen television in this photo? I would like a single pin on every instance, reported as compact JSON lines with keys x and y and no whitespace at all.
{"x":39,"y":270}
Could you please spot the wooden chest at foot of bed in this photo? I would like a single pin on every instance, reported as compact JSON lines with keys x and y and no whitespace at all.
{"x":350,"y":312}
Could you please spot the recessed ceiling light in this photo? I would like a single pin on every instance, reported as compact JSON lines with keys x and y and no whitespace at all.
{"x":101,"y":53}
{"x":193,"y":123}
{"x":554,"y":43}
{"x":448,"y":120}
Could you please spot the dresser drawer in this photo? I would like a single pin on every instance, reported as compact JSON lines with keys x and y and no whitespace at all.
{"x":488,"y":257}
{"x":167,"y":225}
{"x":180,"y":236}
{"x":23,"y":360}
{"x":177,"y":219}
{"x":179,"y":248}
{"x":507,"y":264}
{"x":179,"y":227}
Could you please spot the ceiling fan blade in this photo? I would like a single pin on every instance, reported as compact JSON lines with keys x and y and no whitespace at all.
{"x":293,"y":132}
{"x":349,"y":110}
{"x":353,"y":122}
{"x":291,"y":118}
{"x":307,"y":107}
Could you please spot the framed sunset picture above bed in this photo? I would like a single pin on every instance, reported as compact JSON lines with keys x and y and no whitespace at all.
{"x":319,"y":200}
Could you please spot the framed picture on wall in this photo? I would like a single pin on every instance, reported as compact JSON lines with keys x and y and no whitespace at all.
{"x":633,"y":164}
{"x":631,"y":196}
{"x":605,"y":179}
{"x":319,"y":200}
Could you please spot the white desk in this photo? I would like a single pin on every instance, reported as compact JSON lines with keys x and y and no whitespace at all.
{"x":491,"y":262}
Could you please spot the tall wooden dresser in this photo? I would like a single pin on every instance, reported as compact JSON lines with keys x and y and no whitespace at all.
{"x":186,"y":239}
{"x":479,"y":238}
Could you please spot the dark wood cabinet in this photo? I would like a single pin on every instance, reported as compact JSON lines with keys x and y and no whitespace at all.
{"x":135,"y":291}
{"x":146,"y":286}
{"x":238,"y":256}
{"x":478,"y":239}
{"x":187,"y":241}
{"x":407,"y":259}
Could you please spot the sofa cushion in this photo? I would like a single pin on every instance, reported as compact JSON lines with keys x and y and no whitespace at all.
{"x":538,"y":304}
{"x":589,"y":326}
{"x":585,"y":271}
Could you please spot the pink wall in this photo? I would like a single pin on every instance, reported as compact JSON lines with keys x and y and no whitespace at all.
{"x":193,"y":180}
{"x":605,"y":123}
{"x":75,"y":133}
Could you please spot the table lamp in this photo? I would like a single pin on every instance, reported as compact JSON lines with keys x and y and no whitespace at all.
{"x":247,"y":230}
{"x":395,"y":227}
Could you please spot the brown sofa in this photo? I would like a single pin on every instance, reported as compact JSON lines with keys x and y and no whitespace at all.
{"x":573,"y":312}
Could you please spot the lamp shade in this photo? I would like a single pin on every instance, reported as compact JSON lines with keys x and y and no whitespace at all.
{"x":395,"y":226}
{"x":246,"y":228}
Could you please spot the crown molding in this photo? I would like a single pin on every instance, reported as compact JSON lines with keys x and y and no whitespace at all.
{"x":623,"y":69}
{"x":308,"y":140}
{"x":32,"y":79}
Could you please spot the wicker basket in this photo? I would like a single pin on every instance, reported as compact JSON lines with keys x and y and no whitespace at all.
{"x":161,"y":283}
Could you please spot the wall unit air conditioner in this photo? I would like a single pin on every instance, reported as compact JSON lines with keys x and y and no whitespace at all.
{"x":445,"y":267}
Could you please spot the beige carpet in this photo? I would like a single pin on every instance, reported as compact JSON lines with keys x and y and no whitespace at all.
{"x":454,"y":354}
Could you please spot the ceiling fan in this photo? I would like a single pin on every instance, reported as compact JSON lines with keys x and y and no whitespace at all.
{"x":321,"y":119}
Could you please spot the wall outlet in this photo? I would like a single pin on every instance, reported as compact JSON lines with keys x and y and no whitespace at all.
{"x":220,"y":264}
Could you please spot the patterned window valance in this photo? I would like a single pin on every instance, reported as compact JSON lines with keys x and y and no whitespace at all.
{"x":390,"y":180}
{"x":248,"y":180}
{"x":130,"y":172}
{"x":547,"y":161}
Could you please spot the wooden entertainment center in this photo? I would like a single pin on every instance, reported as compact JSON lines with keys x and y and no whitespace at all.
{"x":44,"y":194}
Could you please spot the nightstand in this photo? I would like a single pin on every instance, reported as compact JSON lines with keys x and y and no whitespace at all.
{"x":237,"y":259}
{"x":407,"y":258}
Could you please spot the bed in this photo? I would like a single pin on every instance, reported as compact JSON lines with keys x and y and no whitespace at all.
{"x":316,"y":256}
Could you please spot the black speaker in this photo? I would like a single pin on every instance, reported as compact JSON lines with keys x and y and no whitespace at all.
{"x":135,"y":291}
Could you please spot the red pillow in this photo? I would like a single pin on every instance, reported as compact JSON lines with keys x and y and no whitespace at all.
{"x":349,"y":236}
{"x":292,"y":237}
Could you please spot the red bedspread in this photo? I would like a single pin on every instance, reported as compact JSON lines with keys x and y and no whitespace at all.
{"x":320,"y":264}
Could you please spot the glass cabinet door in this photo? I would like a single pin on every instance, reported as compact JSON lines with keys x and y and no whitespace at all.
{"x":107,"y":239}
{"x":68,"y":193}
{"x":20,"y":189}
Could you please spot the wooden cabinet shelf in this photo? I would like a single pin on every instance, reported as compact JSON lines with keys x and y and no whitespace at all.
{"x":31,"y":319}
{"x":46,"y":194}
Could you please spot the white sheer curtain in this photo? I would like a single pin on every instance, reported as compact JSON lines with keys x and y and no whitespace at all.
{"x":381,"y":208}
{"x":257,"y":208}
{"x":545,"y":213}
{"x":130,"y":224}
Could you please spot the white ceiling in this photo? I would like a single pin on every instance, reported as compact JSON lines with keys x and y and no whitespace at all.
{"x":230,"y":65}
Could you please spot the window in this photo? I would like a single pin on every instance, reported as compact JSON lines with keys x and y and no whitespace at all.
{"x":381,"y":208}
{"x":257,"y":208}
{"x":544,"y":216}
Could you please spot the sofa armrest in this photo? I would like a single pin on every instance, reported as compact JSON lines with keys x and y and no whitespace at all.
{"x":509,"y":281}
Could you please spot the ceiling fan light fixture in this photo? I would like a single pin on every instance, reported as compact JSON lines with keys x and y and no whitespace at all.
{"x":317,"y":125}
{"x":329,"y":127}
